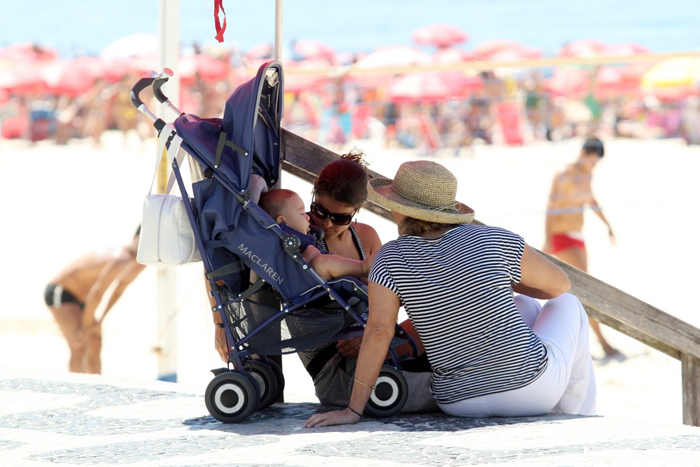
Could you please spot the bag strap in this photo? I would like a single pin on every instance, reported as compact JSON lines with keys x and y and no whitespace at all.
{"x":169,"y":144}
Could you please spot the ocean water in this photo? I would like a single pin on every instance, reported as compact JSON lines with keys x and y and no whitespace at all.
{"x":86,"y":27}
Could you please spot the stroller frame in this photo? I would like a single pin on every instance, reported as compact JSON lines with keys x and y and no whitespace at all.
{"x":252,"y":381}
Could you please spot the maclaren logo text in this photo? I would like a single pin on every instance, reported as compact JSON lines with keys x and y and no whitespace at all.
{"x":272,"y":274}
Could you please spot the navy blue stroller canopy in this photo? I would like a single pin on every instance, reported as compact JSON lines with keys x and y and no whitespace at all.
{"x":240,"y":145}
{"x":245,"y":142}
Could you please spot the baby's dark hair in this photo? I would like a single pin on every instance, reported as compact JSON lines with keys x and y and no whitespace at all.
{"x":344,"y":179}
{"x":594,"y":146}
{"x":273,"y":201}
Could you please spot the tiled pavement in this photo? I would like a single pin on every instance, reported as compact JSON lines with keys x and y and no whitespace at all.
{"x":68,"y":419}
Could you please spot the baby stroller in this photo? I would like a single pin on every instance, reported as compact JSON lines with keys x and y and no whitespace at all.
{"x":289,"y":307}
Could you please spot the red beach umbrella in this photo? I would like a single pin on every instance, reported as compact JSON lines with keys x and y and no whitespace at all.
{"x":209,"y":68}
{"x":295,"y":83}
{"x":625,"y":48}
{"x":570,"y":82}
{"x":453,"y":55}
{"x":440,"y":35}
{"x":22,"y":77}
{"x":583,"y":48}
{"x":424,"y":86}
{"x":504,"y":50}
{"x":390,"y":56}
{"x":310,"y":49}
{"x":260,"y":51}
{"x":27,"y":51}
{"x":73,"y":77}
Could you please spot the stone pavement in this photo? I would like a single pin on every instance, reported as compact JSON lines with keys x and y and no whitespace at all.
{"x":69,"y":419}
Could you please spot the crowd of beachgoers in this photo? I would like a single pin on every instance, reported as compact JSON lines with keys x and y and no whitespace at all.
{"x":443,"y":99}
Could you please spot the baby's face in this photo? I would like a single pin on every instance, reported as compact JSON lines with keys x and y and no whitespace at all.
{"x":294,"y":214}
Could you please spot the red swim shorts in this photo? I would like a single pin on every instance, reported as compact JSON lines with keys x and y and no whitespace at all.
{"x":563,"y":241}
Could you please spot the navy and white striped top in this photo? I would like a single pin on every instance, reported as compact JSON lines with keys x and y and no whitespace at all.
{"x":456,"y":290}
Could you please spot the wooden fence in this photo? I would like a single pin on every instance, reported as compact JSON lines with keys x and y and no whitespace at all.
{"x":603,"y":302}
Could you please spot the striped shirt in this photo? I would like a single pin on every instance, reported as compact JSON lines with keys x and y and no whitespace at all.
{"x":456,"y":289}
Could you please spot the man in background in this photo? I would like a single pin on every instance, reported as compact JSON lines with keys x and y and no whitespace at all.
{"x":571,"y":193}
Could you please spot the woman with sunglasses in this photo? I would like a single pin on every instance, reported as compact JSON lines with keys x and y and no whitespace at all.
{"x":339,"y":192}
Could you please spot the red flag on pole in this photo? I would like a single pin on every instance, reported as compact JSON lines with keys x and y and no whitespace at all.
{"x":220,"y":27}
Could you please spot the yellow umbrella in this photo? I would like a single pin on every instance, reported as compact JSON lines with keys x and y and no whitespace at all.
{"x":673,"y":77}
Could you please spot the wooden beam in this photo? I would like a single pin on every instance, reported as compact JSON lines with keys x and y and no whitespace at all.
{"x":691,"y":389}
{"x":603,"y":302}
{"x":303,"y":158}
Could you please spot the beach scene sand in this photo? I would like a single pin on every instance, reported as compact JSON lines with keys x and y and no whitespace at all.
{"x":64,"y":201}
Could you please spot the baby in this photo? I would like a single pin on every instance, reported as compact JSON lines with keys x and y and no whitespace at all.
{"x":286,"y":207}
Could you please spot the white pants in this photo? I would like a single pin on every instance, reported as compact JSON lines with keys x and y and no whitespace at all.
{"x":567,"y":386}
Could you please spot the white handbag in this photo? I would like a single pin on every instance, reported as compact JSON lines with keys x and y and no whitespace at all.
{"x":166,"y":237}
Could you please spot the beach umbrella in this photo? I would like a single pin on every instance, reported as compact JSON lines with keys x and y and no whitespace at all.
{"x":427,"y":86}
{"x":614,"y":81}
{"x":569,"y":82}
{"x":388,"y":57}
{"x":623,"y":49}
{"x":583,"y":48}
{"x":311,"y":49}
{"x":453,"y":55}
{"x":73,"y":77}
{"x":260,"y":51}
{"x":440,"y":35}
{"x":209,"y":68}
{"x":133,"y":45}
{"x":673,"y":78}
{"x":503,"y":50}
{"x":296,"y":83}
{"x":394,"y":56}
{"x":22,"y":77}
{"x":28,"y":51}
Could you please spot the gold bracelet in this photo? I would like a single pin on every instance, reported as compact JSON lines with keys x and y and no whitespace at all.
{"x":371,"y":386}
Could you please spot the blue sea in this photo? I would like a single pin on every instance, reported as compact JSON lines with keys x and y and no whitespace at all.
{"x":86,"y":27}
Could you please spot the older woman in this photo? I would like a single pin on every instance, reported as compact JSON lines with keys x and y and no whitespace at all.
{"x":492,"y":354}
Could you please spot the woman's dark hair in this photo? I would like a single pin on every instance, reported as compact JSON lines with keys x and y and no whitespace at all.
{"x":344,"y":179}
{"x":412,"y":226}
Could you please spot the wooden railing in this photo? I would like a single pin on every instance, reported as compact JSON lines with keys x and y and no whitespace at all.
{"x":603,"y":302}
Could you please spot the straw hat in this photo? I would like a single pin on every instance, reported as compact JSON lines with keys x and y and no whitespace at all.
{"x":423,"y":190}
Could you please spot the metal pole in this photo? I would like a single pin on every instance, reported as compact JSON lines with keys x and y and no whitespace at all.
{"x":278,"y":56}
{"x":169,"y":55}
{"x":278,"y":29}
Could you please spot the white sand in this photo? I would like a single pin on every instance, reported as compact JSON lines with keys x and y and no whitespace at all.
{"x":61,"y":202}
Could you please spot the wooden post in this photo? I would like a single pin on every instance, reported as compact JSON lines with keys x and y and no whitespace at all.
{"x":690,"y":369}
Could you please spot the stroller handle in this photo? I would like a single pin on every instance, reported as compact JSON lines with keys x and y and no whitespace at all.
{"x":158,"y":93}
{"x":142,"y":84}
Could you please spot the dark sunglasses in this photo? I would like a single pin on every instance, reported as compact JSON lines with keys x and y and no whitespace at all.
{"x":337,"y":219}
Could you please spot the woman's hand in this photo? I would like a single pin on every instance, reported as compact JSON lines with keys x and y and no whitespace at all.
{"x":337,"y":417}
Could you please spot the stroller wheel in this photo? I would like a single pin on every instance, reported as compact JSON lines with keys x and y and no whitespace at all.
{"x":231,"y":397}
{"x":265,"y":380}
{"x":390,"y":395}
{"x":280,"y":378}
